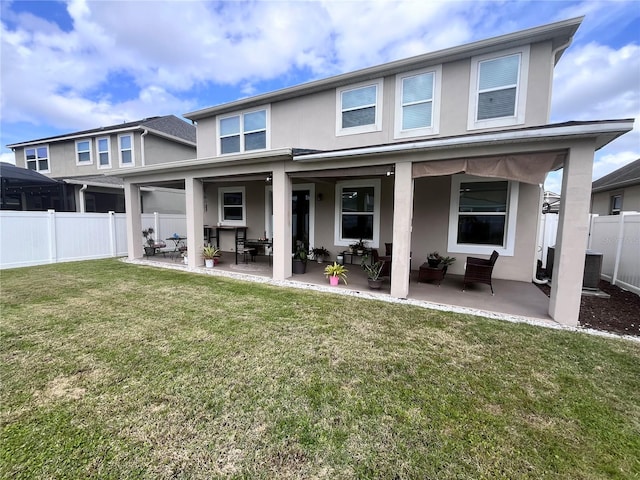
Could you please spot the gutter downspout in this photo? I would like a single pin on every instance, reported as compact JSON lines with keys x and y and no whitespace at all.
{"x":81,"y":196}
{"x":142,"y":158}
{"x":554,"y":52}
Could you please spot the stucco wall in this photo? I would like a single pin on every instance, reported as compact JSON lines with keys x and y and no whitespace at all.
{"x":431,"y":222}
{"x":310,"y":121}
{"x":601,"y":201}
{"x":62,"y":155}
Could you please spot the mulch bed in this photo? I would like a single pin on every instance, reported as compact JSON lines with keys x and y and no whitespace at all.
{"x":618,"y":314}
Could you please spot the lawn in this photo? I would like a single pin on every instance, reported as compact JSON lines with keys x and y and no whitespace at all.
{"x":111,"y":370}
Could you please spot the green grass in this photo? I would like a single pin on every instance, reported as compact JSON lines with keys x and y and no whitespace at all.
{"x":111,"y":370}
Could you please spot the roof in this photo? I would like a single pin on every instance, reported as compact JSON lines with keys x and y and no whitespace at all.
{"x":95,"y":180}
{"x":602,"y":131}
{"x":168,"y":125}
{"x":18,"y":176}
{"x":559,"y":34}
{"x":622,"y":177}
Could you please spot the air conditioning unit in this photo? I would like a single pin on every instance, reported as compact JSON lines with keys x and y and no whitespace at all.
{"x":592,"y":268}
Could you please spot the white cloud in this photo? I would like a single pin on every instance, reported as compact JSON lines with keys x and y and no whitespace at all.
{"x":8,"y":157}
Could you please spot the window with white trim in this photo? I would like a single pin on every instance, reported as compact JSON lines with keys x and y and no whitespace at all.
{"x":37,"y":158}
{"x":243,"y":132}
{"x":615,"y":204}
{"x":104,"y":152}
{"x":357,"y":212}
{"x":125,"y":145}
{"x":232,"y":209}
{"x":498,"y":89}
{"x":418,"y":103}
{"x":83,"y":152}
{"x":483,"y":215}
{"x":359,"y":108}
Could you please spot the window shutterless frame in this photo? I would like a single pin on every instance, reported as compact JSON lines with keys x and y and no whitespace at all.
{"x":359,"y":108}
{"x":37,"y":158}
{"x":84,"y":154}
{"x":103,"y":150}
{"x":356,"y":211}
{"x":498,"y":89}
{"x":232,"y":208}
{"x":126,"y":151}
{"x":480,"y":211}
{"x":245,"y":131}
{"x":417,"y":107}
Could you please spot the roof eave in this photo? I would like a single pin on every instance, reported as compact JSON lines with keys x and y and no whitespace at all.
{"x":202,"y":163}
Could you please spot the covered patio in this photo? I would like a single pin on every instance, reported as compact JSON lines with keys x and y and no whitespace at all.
{"x":513,"y":300}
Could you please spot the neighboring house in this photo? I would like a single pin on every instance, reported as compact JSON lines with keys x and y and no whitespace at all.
{"x":551,"y":203}
{"x":444,"y":151}
{"x":81,"y":159}
{"x":618,"y":191}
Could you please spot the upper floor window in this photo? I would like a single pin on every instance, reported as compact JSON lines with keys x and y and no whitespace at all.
{"x":483,"y":215}
{"x":231,"y":206}
{"x":418,"y":103}
{"x":357,"y":212}
{"x":359,"y":108}
{"x":499,"y":88}
{"x":615,"y":204}
{"x":83,"y":152}
{"x":104,"y":152}
{"x":243,"y":132}
{"x":125,"y":142}
{"x":37,"y":158}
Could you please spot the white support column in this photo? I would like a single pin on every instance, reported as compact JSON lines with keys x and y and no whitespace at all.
{"x":194,"y":197}
{"x":402,"y":219}
{"x":572,"y":237}
{"x":134,"y":221}
{"x":281,"y":223}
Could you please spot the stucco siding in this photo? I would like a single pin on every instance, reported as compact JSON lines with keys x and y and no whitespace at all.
{"x":601,"y":201}
{"x":162,"y":150}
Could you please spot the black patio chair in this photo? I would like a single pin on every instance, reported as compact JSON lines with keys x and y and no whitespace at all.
{"x":479,"y":270}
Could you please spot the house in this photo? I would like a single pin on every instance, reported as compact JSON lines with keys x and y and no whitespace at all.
{"x":618,"y":191}
{"x":444,"y":151}
{"x":81,"y":159}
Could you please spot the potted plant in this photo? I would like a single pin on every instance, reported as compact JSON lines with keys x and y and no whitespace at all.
{"x":359,"y":247}
{"x":320,"y":254}
{"x":151,"y":245}
{"x":336,"y":272}
{"x":210,"y":254}
{"x":300,"y":260}
{"x":446,"y":261}
{"x":433,"y":259}
{"x":374,"y":272}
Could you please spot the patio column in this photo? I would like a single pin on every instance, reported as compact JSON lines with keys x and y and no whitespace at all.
{"x":134,"y":221}
{"x":194,"y":197}
{"x":402,"y":218}
{"x":572,"y":236}
{"x":281,"y":223}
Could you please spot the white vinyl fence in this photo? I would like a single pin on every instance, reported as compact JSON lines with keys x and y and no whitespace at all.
{"x":617,"y":237}
{"x":38,"y":238}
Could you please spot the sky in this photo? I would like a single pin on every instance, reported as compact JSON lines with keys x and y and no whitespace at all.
{"x":69,"y":66}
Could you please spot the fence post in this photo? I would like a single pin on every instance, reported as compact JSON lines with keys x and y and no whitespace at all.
{"x":112,"y":233}
{"x":53,"y":248}
{"x":592,"y":217}
{"x":618,"y":247}
{"x":156,"y":225}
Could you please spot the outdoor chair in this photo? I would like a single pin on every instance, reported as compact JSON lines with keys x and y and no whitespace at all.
{"x":386,"y":268}
{"x":479,"y":270}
